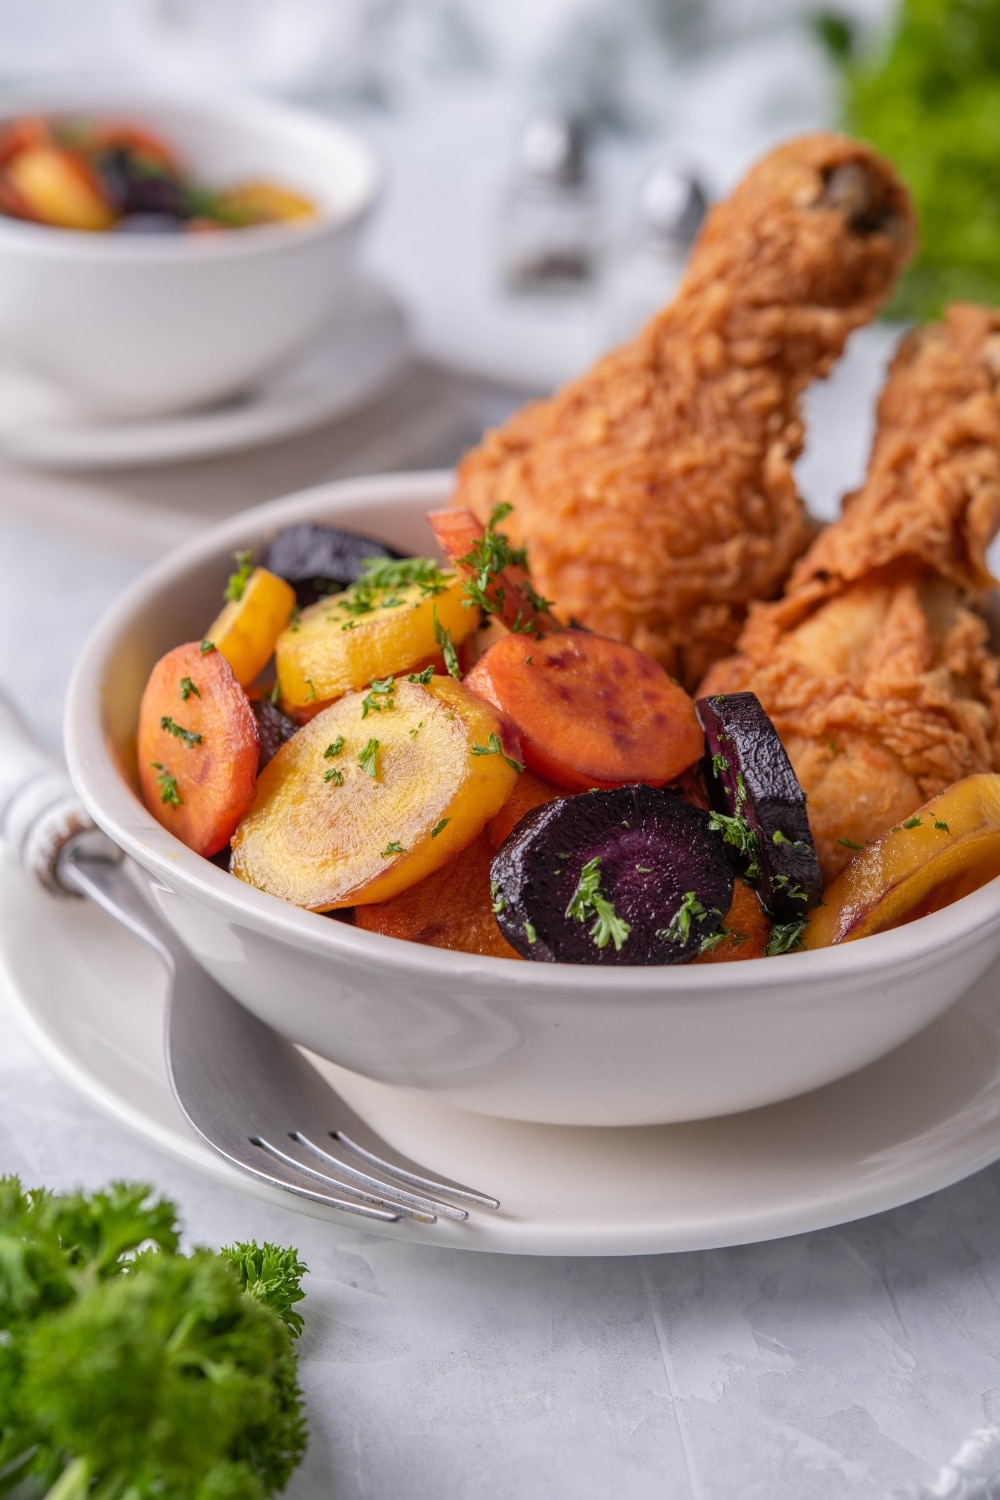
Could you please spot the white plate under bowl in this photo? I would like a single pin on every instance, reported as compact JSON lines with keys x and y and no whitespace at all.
{"x":349,"y":364}
{"x":920,"y":1119}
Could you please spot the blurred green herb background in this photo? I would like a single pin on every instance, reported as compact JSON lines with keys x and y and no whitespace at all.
{"x":927,"y":94}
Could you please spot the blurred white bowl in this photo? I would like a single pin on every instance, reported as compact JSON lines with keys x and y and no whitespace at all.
{"x":144,"y":325}
{"x":565,"y":1044}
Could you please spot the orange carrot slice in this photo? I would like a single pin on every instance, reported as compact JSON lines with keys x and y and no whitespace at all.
{"x":590,"y":712}
{"x":529,"y":791}
{"x":198,"y":747}
{"x":495,"y":573}
{"x":452,"y":908}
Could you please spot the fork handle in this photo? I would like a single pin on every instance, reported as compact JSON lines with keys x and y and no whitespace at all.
{"x":40,"y":812}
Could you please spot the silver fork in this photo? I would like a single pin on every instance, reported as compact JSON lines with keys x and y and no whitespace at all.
{"x":248,"y":1092}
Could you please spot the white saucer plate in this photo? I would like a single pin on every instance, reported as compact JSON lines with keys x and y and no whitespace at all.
{"x":349,"y":363}
{"x":91,"y":998}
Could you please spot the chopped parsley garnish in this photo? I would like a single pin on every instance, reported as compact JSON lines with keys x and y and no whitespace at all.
{"x":942,"y":826}
{"x":443,"y":639}
{"x":414,"y":732}
{"x":782,"y":838}
{"x":394,"y":848}
{"x":275,"y":694}
{"x":187,"y":735}
{"x":440,"y":827}
{"x":915,"y":822}
{"x":738,"y":834}
{"x":335,"y":775}
{"x":587,"y":901}
{"x":236,"y":586}
{"x":719,"y":764}
{"x":206,"y":647}
{"x":382,"y":585}
{"x":644,"y":869}
{"x":710,"y":943}
{"x":168,"y":785}
{"x":311,"y":695}
{"x":187,"y":688}
{"x":494,"y":747}
{"x":530,"y":934}
{"x":678,"y":930}
{"x":741,"y":790}
{"x":423,"y":677}
{"x":528,"y":660}
{"x":786,"y":937}
{"x":499,"y":902}
{"x":294,"y":619}
{"x":486,"y":560}
{"x":381,"y":687}
{"x":793,"y":892}
{"x":850,"y":844}
{"x":368,"y":759}
{"x":334,"y":748}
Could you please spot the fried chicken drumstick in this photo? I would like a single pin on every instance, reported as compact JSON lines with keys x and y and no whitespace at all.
{"x":655,"y":495}
{"x":876,"y":667}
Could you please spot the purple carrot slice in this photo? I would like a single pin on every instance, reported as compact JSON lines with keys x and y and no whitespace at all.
{"x":318,"y":560}
{"x":629,"y":876}
{"x":752,"y":784}
{"x":274,"y":728}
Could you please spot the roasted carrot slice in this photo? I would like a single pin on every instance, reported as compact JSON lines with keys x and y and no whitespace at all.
{"x":590,"y":712}
{"x":198,"y":747}
{"x":453,"y":908}
{"x":376,"y":793}
{"x":495,"y":574}
{"x":257,"y":609}
{"x":947,"y":849}
{"x":745,"y":931}
{"x":529,"y":791}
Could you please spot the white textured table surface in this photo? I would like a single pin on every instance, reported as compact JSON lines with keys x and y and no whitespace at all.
{"x":846,"y":1363}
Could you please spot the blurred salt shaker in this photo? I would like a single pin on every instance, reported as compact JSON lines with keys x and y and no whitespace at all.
{"x":550,"y":219}
{"x":672,"y":205}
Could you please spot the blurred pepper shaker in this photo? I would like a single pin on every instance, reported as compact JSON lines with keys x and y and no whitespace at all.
{"x":550,"y":218}
{"x":672,"y":205}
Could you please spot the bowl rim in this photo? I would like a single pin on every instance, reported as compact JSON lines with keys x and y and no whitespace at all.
{"x":54,"y":242}
{"x":116,"y":809}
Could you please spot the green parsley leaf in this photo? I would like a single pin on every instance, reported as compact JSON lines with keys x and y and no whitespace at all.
{"x":423,"y":677}
{"x":380,"y":688}
{"x":334,"y":748}
{"x":187,"y":688}
{"x":206,"y":647}
{"x":738,"y":834}
{"x":335,"y":774}
{"x":368,"y":759}
{"x":187,"y":735}
{"x":443,"y":639}
{"x":236,"y":586}
{"x":275,"y":694}
{"x":494,"y":747}
{"x":168,"y":785}
{"x":530,"y":933}
{"x":850,"y":844}
{"x":786,"y":937}
{"x":719,"y":764}
{"x":414,"y":732}
{"x":782,"y":838}
{"x":394,"y":848}
{"x":587,"y":900}
{"x":678,"y":930}
{"x":440,"y":827}
{"x":793,"y":891}
{"x":499,"y":902}
{"x":942,"y":826}
{"x":915,"y":822}
{"x":311,"y":695}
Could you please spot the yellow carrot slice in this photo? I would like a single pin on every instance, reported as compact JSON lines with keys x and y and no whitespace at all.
{"x":249,"y":625}
{"x":949,"y":847}
{"x":375,"y":793}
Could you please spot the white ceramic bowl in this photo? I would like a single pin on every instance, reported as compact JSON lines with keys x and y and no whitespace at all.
{"x":560,"y":1043}
{"x":142,"y":325}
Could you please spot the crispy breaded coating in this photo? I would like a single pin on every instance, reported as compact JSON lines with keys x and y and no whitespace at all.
{"x":655,"y":495}
{"x":876,"y":667}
